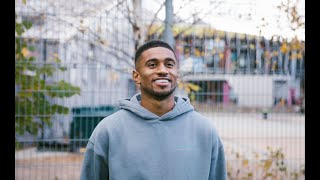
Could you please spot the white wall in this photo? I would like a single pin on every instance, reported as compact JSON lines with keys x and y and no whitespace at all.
{"x":252,"y":90}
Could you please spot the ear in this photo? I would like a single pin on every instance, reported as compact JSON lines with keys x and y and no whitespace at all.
{"x":136,"y":77}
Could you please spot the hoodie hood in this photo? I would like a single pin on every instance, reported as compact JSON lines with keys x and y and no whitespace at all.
{"x":182,"y":106}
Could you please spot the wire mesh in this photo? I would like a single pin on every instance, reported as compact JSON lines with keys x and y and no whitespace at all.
{"x":75,"y":63}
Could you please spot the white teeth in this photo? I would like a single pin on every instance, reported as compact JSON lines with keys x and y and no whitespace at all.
{"x":162,"y":81}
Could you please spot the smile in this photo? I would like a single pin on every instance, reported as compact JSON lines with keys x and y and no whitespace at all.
{"x":162,"y":81}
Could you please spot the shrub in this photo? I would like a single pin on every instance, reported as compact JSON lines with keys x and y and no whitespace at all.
{"x":271,"y":165}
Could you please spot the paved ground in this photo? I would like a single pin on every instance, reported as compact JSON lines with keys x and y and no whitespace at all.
{"x":249,"y":133}
{"x":244,"y":133}
{"x":47,"y":165}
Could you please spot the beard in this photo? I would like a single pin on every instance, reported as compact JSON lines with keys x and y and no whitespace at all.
{"x":159,"y":94}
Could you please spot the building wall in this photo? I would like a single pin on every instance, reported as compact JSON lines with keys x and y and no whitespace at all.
{"x":252,"y":90}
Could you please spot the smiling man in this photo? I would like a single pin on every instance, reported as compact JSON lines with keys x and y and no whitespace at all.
{"x":156,"y":73}
{"x":156,"y":135}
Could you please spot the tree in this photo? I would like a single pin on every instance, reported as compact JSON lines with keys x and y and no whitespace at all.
{"x":297,"y":23}
{"x":34,"y":96}
{"x":132,"y":14}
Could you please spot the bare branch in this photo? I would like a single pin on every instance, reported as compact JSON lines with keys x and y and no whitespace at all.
{"x":155,"y":17}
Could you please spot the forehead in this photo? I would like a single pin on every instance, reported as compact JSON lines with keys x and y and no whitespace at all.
{"x":157,"y":53}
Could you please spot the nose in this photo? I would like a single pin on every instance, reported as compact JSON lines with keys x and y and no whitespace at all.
{"x":162,"y":69}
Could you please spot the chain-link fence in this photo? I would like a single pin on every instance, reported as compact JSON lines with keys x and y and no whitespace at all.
{"x":74,"y":62}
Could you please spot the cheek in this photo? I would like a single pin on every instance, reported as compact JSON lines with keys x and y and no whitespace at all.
{"x":175,"y":74}
{"x":146,"y":75}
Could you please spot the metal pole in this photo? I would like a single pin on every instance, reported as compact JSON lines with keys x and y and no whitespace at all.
{"x":44,"y":57}
{"x":168,"y":35}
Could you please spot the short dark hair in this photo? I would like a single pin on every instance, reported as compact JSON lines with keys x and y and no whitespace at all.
{"x":151,"y":44}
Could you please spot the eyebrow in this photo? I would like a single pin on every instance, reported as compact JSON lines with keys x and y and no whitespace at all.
{"x":169,"y":59}
{"x":155,"y":59}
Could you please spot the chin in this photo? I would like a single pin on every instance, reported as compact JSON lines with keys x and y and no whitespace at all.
{"x":163,"y":94}
{"x":157,"y":92}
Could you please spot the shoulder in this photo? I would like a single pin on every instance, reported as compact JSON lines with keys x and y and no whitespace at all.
{"x":101,"y":134}
{"x":200,"y":119}
{"x":112,"y":121}
{"x":205,"y":124}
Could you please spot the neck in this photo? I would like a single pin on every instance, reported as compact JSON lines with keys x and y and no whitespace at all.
{"x":156,"y":106}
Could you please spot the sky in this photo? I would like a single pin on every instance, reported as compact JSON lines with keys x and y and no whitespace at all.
{"x":224,"y":15}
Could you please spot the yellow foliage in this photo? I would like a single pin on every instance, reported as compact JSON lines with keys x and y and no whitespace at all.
{"x":284,"y":48}
{"x":188,"y":87}
{"x":299,"y":56}
{"x":267,"y":164}
{"x":25,"y":52}
{"x":245,"y":162}
{"x":193,"y":87}
{"x":221,"y":55}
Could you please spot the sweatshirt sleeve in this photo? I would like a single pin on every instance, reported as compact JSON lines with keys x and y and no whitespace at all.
{"x":218,"y":169}
{"x":93,"y":167}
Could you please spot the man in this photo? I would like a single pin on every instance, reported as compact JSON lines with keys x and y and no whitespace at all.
{"x":156,"y":135}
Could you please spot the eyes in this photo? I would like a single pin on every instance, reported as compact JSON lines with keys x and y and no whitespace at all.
{"x":153,"y":64}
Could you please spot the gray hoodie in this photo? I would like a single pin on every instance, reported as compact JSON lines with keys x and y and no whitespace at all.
{"x":134,"y":144}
